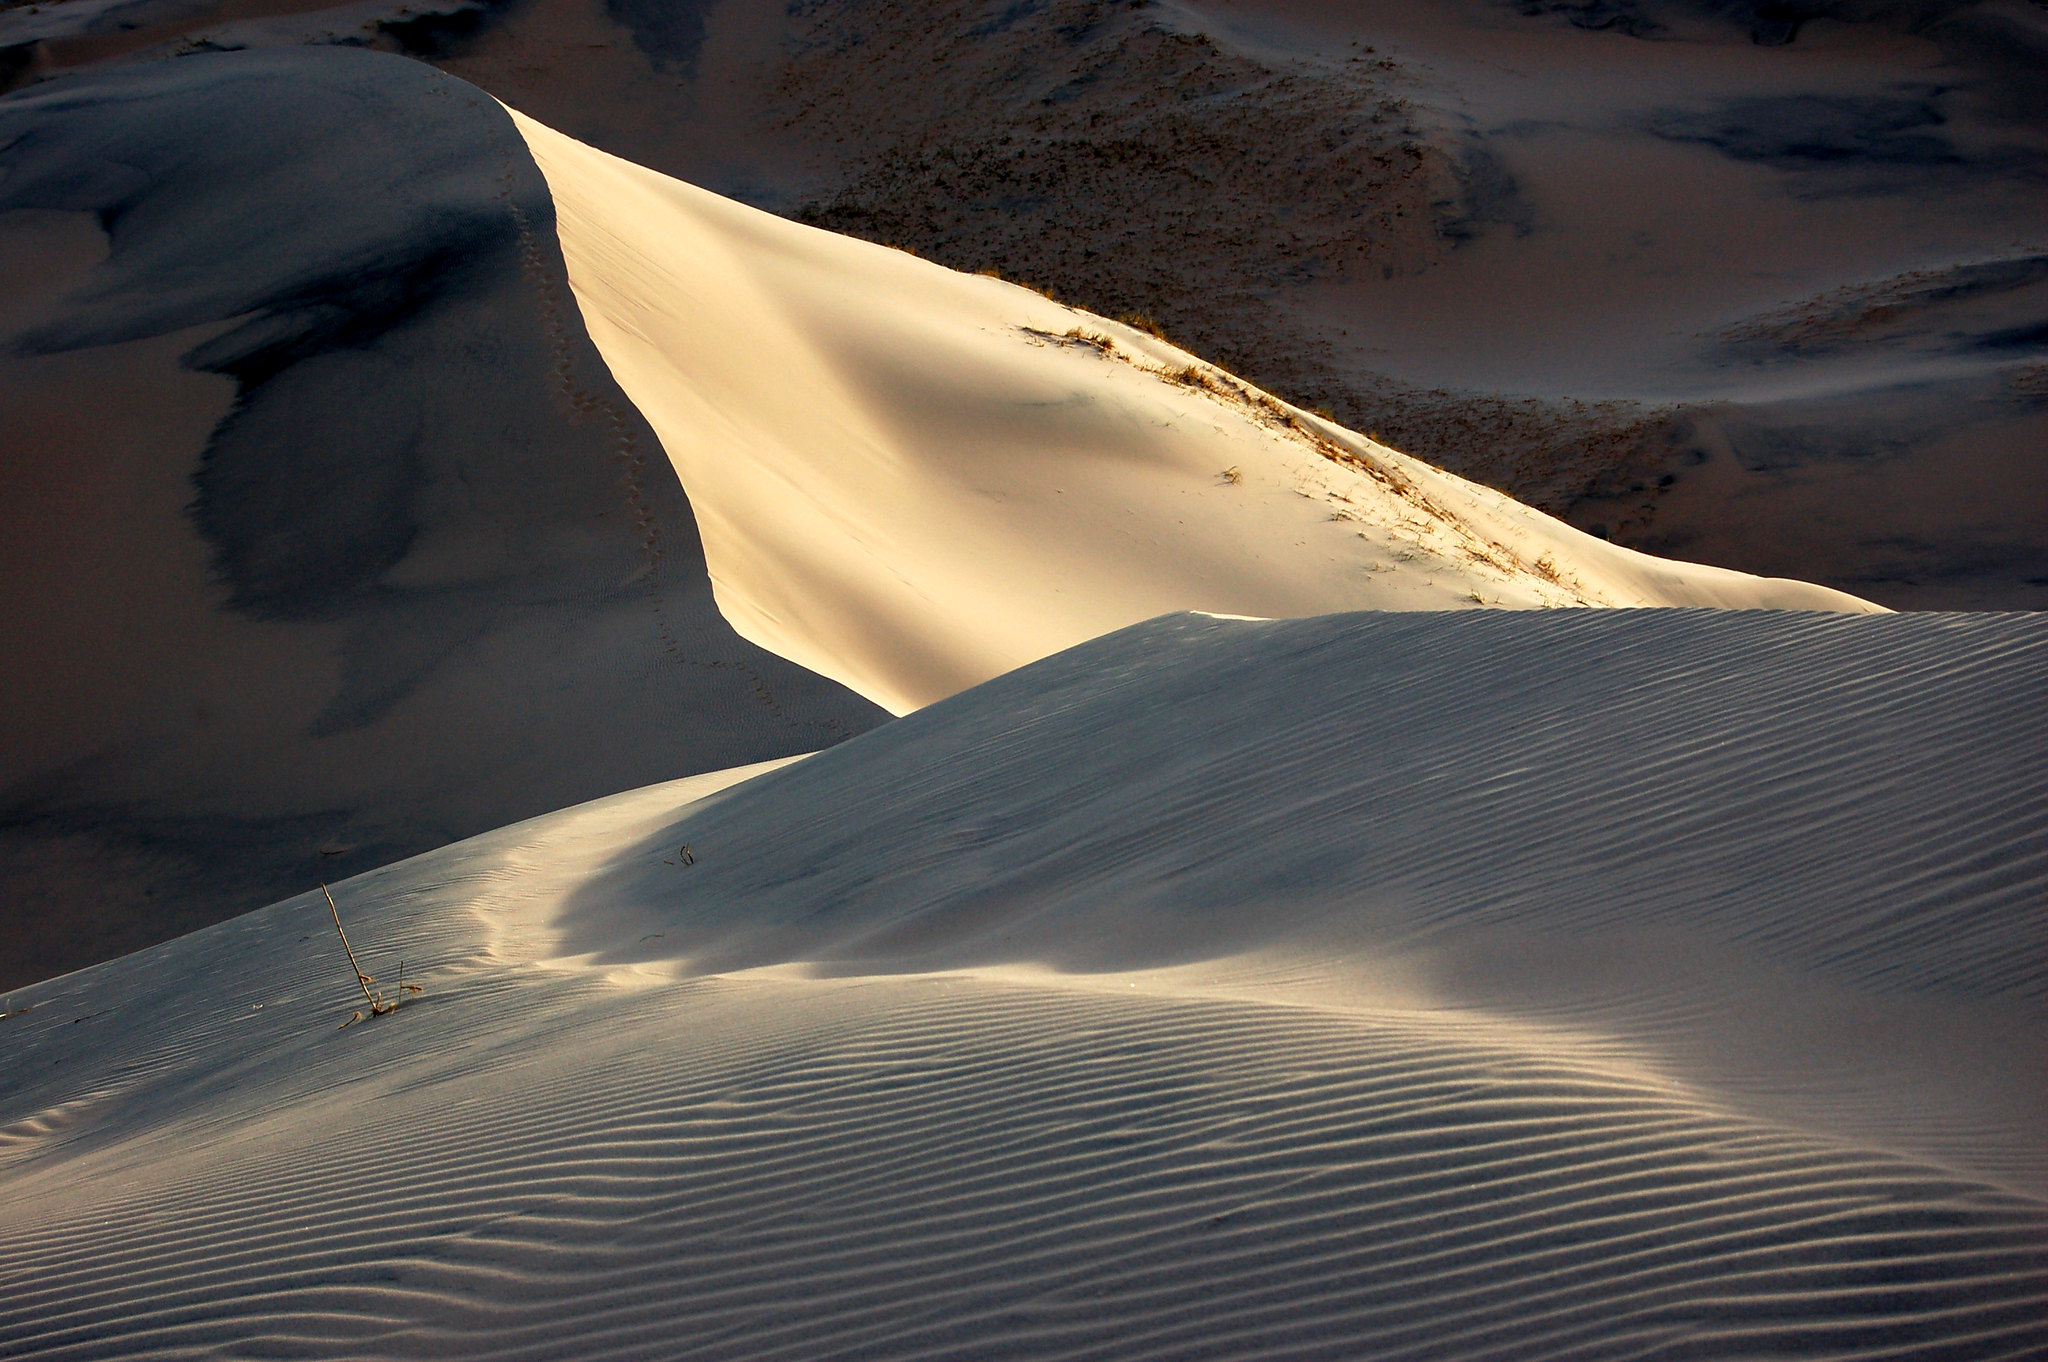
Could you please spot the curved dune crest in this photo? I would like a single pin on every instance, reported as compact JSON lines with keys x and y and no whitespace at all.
{"x":910,"y":479}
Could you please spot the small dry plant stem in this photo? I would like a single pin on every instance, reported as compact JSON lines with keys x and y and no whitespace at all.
{"x":362,"y":979}
{"x":378,"y":1007}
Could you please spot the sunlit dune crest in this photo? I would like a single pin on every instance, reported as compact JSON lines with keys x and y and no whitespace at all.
{"x":911,"y":479}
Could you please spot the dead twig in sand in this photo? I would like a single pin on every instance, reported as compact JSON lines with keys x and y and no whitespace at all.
{"x":378,"y":1005}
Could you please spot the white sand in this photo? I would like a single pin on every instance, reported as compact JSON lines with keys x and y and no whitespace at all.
{"x":911,"y":480}
{"x":1489,"y":985}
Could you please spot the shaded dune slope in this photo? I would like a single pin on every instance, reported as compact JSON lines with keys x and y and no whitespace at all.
{"x":329,"y":537}
{"x":1739,"y":829}
{"x":1262,"y":1105}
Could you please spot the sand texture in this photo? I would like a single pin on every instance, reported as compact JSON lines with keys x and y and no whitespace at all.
{"x":1147,"y":1001}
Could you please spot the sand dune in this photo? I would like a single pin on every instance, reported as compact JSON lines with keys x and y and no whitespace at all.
{"x":1514,"y":239}
{"x":1025,"y":1026}
{"x":325,"y":536}
{"x":1431,"y":982}
{"x":322,"y":501}
{"x":911,"y":480}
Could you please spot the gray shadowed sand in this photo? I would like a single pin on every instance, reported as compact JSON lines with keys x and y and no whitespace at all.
{"x":332,"y":539}
{"x":1501,"y":985}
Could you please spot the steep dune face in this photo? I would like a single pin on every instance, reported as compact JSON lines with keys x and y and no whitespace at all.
{"x":1496,"y":985}
{"x":325,"y":537}
{"x":911,"y":479}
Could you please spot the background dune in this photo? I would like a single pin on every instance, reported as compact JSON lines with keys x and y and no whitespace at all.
{"x":328,"y":537}
{"x":1024,"y":1025}
{"x":1552,"y":246}
{"x":1754,"y":284}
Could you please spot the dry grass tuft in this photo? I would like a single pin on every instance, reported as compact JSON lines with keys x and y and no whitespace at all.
{"x":379,"y":1005}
